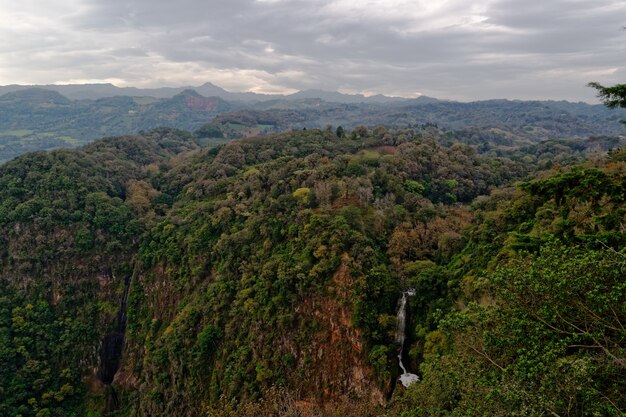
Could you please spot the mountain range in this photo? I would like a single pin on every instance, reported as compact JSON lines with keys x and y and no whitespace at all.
{"x":97,"y":91}
{"x":48,"y":117}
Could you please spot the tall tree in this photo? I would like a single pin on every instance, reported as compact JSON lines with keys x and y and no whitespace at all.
{"x":612,"y":97}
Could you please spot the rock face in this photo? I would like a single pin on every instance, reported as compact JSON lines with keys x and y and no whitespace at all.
{"x":113,"y":343}
{"x":338,"y":364}
{"x":328,"y":363}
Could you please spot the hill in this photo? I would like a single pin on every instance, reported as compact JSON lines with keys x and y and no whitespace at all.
{"x":98,"y":91}
{"x":38,"y":119}
{"x":198,"y":281}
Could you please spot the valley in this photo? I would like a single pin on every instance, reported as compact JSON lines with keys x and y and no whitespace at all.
{"x":190,"y":278}
{"x":42,"y":118}
{"x":271,"y":208}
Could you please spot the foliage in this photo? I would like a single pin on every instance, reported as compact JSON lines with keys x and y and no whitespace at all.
{"x":37,"y":377}
{"x":541,"y":331}
{"x":276,"y":263}
{"x":612,"y":97}
{"x":69,"y":223}
{"x":39,"y":119}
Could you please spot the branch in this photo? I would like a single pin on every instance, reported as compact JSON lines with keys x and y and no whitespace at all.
{"x":484,"y":355}
{"x":620,"y":362}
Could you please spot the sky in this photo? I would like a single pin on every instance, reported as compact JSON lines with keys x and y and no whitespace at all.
{"x":451,"y":49}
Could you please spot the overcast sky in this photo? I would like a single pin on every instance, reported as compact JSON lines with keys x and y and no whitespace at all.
{"x":455,"y":49}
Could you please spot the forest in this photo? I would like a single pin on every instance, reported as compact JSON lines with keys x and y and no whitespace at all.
{"x":161,"y":274}
{"x":34,"y":119}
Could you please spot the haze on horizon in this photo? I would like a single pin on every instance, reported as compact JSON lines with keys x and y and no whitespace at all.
{"x":454,"y":49}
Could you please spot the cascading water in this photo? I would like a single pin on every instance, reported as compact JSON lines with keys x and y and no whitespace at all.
{"x":113,"y":343}
{"x":406,"y":378}
{"x":111,"y":350}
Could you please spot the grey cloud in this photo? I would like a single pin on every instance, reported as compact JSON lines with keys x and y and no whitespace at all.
{"x":505,"y":48}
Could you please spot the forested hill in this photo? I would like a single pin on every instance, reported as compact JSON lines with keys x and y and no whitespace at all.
{"x":147,"y":275}
{"x":38,"y":119}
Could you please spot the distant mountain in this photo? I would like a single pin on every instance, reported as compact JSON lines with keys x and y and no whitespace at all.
{"x":34,"y":96}
{"x":533,"y":120}
{"x":97,"y":91}
{"x":38,"y":118}
{"x":336,"y":97}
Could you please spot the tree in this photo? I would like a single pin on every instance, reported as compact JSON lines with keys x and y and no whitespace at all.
{"x":612,"y":97}
{"x":553,"y":344}
{"x":360,"y":131}
{"x":209,"y":131}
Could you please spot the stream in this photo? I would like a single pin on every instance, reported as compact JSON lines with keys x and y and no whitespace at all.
{"x":406,"y":378}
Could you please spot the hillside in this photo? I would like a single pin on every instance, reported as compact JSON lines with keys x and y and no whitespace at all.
{"x":39,"y":119}
{"x":198,"y":281}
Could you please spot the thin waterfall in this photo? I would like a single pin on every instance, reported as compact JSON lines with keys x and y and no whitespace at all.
{"x":111,"y":351}
{"x":406,"y":378}
{"x":113,"y":343}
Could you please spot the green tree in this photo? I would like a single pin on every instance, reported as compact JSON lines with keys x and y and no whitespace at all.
{"x":209,"y":131}
{"x":613,"y":97}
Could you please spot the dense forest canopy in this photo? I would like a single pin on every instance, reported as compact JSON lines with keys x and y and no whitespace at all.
{"x":262,"y":276}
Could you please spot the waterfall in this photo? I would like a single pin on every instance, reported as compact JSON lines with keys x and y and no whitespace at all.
{"x":113,"y":343}
{"x":111,"y":351}
{"x":406,"y":378}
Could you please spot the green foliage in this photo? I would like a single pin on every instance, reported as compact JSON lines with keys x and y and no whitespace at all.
{"x":38,"y":119}
{"x":260,"y":233}
{"x":413,"y":186}
{"x":36,"y":374}
{"x":612,"y":97}
{"x":209,"y":131}
{"x":208,"y":339}
{"x":553,"y":344}
{"x":542,"y":328}
{"x":379,"y":359}
{"x":278,"y":261}
{"x":303,"y":194}
{"x":66,"y":227}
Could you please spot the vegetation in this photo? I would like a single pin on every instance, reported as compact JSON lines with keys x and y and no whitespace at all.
{"x":540,"y":331}
{"x":262,"y":276}
{"x":612,"y":97}
{"x":39,"y":119}
{"x":69,"y":223}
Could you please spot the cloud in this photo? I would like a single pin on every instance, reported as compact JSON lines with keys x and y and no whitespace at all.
{"x":449,"y":48}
